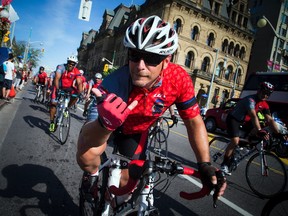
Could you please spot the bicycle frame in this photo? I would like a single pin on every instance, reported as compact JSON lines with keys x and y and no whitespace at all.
{"x":139,"y":189}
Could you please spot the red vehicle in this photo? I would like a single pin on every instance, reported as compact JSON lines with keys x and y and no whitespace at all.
{"x":215,"y":118}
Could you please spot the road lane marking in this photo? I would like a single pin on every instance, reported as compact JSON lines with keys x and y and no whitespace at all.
{"x":222,"y":199}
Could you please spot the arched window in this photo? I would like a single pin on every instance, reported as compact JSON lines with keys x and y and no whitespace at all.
{"x":178,"y":25}
{"x":189,"y":59}
{"x":228,"y":72}
{"x":210,"y":39}
{"x":231,"y":48}
{"x":225,"y":46}
{"x":238,"y":78}
{"x":237,"y":50}
{"x":195,"y":33}
{"x":242,"y":53}
{"x":205,"y":64}
{"x":218,"y":69}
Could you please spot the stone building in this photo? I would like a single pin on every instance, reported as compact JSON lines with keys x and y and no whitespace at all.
{"x":215,"y":40}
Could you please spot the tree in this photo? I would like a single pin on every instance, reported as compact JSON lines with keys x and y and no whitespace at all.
{"x":34,"y":54}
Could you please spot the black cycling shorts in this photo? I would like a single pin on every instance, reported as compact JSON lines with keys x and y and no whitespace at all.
{"x":233,"y":127}
{"x":132,"y":146}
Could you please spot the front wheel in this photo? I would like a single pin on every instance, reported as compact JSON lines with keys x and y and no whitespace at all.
{"x":64,"y":127}
{"x":266,"y":175}
{"x":156,"y":147}
{"x":210,"y":125}
{"x":278,"y":205}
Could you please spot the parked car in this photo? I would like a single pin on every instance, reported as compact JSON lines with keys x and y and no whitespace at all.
{"x":216,"y":117}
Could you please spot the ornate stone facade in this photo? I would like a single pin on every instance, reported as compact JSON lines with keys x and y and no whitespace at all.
{"x":215,"y":37}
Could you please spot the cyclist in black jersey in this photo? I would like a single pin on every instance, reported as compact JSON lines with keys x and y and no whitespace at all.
{"x":246,"y":111}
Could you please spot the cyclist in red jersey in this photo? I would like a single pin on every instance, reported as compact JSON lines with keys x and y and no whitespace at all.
{"x":41,"y":79}
{"x":65,"y":75}
{"x":94,"y":83}
{"x":137,"y":94}
{"x":248,"y":110}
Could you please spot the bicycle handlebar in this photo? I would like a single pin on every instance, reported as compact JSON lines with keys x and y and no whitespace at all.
{"x":140,"y":168}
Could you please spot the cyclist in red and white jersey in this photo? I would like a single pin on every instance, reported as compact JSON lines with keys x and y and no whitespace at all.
{"x":137,"y":94}
{"x":249,"y":110}
{"x":41,"y":79}
{"x":93,"y":83}
{"x":65,"y":75}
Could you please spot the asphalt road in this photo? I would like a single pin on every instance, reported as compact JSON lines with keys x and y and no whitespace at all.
{"x":39,"y":176}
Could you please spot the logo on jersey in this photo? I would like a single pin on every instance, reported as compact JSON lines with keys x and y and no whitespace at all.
{"x":158,"y":106}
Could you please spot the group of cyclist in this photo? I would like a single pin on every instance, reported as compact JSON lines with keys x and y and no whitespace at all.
{"x":131,"y":99}
{"x":67,"y":77}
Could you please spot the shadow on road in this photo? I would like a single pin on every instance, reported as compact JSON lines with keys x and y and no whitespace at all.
{"x":37,"y":122}
{"x":39,"y":183}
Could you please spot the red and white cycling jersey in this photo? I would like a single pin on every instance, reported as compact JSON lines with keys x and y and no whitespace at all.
{"x":67,"y":77}
{"x":42,"y":77}
{"x":175,"y":86}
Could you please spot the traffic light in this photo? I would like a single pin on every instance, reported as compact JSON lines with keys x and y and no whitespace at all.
{"x":85,"y":10}
{"x":106,"y":67}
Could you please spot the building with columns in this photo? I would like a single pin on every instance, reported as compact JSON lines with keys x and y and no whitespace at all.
{"x":215,"y":41}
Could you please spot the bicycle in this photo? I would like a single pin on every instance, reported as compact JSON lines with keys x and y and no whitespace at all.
{"x":39,"y":93}
{"x":265,"y":173}
{"x":63,"y":117}
{"x":158,"y":138}
{"x":277,"y":206}
{"x":105,"y":198}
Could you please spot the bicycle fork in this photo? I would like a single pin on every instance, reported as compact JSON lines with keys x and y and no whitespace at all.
{"x":146,"y":195}
{"x":263,"y":161}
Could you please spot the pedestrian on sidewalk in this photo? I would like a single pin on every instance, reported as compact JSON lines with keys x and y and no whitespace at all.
{"x":9,"y":72}
{"x":18,"y":79}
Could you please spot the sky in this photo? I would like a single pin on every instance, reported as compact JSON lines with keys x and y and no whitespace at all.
{"x":54,"y":25}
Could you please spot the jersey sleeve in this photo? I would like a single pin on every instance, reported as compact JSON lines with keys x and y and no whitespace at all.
{"x":186,"y":102}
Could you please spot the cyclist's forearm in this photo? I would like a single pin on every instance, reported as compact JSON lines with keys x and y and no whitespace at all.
{"x":198,"y":138}
{"x":92,"y":142}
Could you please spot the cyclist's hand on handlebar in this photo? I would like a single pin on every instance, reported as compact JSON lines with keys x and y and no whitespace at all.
{"x":174,"y":119}
{"x":113,"y":111}
{"x":263,"y":134}
{"x":213,"y":178}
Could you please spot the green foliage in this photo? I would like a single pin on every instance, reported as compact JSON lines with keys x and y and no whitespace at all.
{"x":110,"y":70}
{"x":34,"y":53}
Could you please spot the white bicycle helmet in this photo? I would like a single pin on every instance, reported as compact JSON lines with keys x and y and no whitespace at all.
{"x":153,"y":35}
{"x":98,"y":76}
{"x":73,"y":58}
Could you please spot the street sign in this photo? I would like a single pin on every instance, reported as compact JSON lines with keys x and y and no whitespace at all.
{"x":106,"y":67}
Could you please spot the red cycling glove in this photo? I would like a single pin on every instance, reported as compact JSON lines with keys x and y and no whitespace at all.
{"x":112,"y":112}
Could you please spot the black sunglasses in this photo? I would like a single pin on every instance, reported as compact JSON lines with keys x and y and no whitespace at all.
{"x":71,"y":63}
{"x":265,"y":92}
{"x":149,"y":58}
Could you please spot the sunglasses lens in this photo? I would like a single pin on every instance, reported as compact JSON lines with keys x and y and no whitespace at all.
{"x":72,"y":63}
{"x":149,"y":58}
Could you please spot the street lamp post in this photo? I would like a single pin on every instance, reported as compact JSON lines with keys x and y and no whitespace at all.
{"x":212,"y":79}
{"x":262,"y":23}
{"x":110,"y":62}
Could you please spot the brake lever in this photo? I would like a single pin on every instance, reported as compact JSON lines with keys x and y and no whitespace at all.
{"x":220,"y":181}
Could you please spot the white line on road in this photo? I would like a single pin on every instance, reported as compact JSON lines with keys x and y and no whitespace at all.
{"x":227,"y":202}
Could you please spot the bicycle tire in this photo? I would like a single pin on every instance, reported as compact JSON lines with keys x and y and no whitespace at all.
{"x":157,"y":148}
{"x":277,"y":205}
{"x":37,"y":97}
{"x":217,"y":149}
{"x":93,"y":204}
{"x":266,"y":186}
{"x":64,"y":127}
{"x":164,"y":125}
